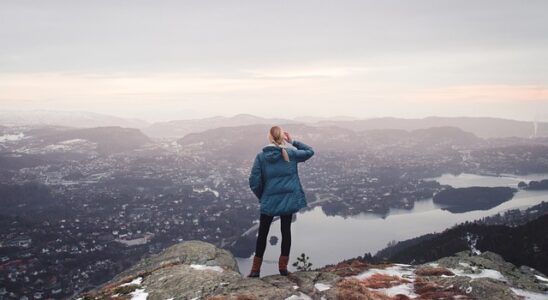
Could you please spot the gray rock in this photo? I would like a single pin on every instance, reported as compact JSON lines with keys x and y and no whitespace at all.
{"x":189,"y":252}
{"x":305,"y":283}
{"x":198,"y":270}
{"x":185,"y":282}
{"x":480,"y":288}
{"x":522,"y":278}
{"x":259,"y":288}
{"x":171,"y":274}
{"x":281,"y":287}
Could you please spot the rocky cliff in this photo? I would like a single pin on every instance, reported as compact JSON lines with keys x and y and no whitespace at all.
{"x":198,"y":270}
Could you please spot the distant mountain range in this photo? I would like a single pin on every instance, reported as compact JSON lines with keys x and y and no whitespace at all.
{"x":480,"y":126}
{"x":483,"y":127}
{"x":245,"y":141}
{"x":180,"y":128}
{"x":78,"y":119}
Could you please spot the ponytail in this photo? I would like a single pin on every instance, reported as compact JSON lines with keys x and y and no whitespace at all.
{"x":275,"y":135}
{"x":284,"y":154}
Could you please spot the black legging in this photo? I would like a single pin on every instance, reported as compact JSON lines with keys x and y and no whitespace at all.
{"x":264,"y":226}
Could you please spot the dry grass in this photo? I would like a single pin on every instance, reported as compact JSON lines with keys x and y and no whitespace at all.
{"x":380,"y":281}
{"x":355,"y":289}
{"x":351,"y":268}
{"x":427,"y":289}
{"x":125,"y":290}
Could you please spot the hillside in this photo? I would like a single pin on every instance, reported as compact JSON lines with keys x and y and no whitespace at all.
{"x":79,"y":119}
{"x":482,"y":127}
{"x":535,"y":185}
{"x":479,"y":126}
{"x":245,"y":141}
{"x":199,"y":270}
{"x":107,"y":139}
{"x":180,"y":128}
{"x":526,"y":244}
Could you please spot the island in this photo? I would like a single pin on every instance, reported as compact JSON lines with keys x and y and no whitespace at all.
{"x":459,"y":200}
{"x":534,"y":185}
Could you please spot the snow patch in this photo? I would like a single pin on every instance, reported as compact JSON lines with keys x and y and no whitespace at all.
{"x":403,"y":289}
{"x":301,"y":296}
{"x":529,"y":295}
{"x":139,"y":294}
{"x":322,"y":286}
{"x":402,"y":265}
{"x":403,"y":271}
{"x":400,"y":270}
{"x":73,"y":141}
{"x":57,"y":147}
{"x":206,"y":189}
{"x":541,"y":278}
{"x":485,"y":273}
{"x":472,"y":241}
{"x":11,"y":137}
{"x":467,"y":265}
{"x":136,"y":281}
{"x":204,"y":267}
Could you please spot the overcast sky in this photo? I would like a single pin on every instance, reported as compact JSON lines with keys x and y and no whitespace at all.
{"x":160,"y":60}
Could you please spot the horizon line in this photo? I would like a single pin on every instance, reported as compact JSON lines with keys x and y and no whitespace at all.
{"x":296,"y":118}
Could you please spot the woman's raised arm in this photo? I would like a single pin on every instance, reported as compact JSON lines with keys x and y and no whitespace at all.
{"x":303,"y":152}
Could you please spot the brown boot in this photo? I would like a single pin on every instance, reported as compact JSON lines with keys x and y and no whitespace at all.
{"x":256,"y":267}
{"x":282,"y":265}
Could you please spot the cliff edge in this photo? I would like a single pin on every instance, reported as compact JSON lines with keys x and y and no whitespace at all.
{"x":199,"y":270}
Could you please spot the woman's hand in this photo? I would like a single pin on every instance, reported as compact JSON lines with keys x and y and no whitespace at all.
{"x":288,"y":137}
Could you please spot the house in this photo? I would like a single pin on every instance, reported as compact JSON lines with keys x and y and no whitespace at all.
{"x":20,"y":241}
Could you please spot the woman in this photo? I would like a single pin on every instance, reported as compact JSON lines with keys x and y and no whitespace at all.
{"x":274,"y":179}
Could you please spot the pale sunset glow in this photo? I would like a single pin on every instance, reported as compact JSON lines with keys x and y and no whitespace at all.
{"x":183,"y":59}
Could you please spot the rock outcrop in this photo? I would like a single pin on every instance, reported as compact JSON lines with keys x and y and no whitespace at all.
{"x":198,"y":270}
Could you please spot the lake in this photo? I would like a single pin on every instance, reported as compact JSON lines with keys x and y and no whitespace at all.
{"x":330,"y":239}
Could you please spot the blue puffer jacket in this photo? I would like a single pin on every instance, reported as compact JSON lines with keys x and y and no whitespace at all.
{"x":276,"y":182}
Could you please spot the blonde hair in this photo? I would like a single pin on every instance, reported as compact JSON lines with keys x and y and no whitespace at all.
{"x":276,"y":136}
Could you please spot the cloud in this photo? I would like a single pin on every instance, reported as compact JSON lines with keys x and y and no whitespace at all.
{"x":494,"y":93}
{"x":85,"y":86}
{"x":304,"y":72}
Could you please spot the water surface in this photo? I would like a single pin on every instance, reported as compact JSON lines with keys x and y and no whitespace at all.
{"x":330,"y":239}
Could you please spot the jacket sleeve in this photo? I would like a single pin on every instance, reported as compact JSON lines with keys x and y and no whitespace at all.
{"x":303,"y":152}
{"x":256,"y":178}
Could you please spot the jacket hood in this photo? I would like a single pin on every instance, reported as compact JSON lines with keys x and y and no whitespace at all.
{"x":272,"y":152}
